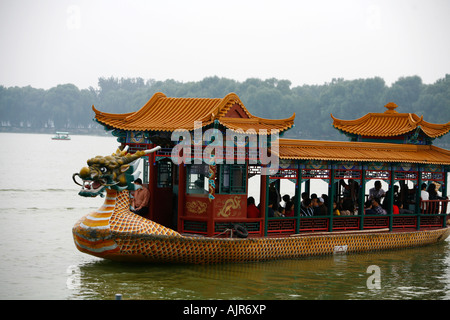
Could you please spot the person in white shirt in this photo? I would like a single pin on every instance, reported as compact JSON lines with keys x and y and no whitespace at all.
{"x":376,"y":192}
{"x":424,"y":195}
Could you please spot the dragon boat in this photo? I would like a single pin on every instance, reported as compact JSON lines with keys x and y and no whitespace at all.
{"x":200,"y":156}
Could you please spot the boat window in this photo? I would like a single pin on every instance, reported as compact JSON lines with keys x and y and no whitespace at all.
{"x":197,"y":178}
{"x":164,"y":179}
{"x":233,"y":178}
{"x":143,"y":167}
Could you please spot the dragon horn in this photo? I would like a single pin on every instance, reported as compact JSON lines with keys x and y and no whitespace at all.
{"x":131,"y":157}
{"x":152,"y":150}
{"x":125,"y":149}
{"x":121,"y":152}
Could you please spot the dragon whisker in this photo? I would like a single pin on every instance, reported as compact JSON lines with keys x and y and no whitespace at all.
{"x":73,"y":178}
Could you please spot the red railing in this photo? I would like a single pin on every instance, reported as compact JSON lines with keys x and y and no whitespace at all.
{"x":431,"y":221}
{"x":434,"y":206}
{"x":346,"y":223}
{"x":281,"y":226}
{"x":432,"y":216}
{"x":365,"y":222}
{"x":404,"y":222}
{"x":252,"y":225}
{"x":376,"y":222}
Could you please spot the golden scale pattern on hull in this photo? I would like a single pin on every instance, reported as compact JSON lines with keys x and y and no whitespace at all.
{"x":154,"y":248}
{"x":114,"y":233}
{"x":97,"y":232}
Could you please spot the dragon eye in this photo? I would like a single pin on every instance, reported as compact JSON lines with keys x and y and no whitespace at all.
{"x":103,"y":169}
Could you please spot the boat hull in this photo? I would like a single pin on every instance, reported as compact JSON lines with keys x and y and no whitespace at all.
{"x":207,"y":250}
{"x":113,"y":232}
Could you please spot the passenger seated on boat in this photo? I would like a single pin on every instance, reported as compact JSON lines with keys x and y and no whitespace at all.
{"x":424,"y":196}
{"x":407,"y":196}
{"x":270,"y":211}
{"x":305,"y":195}
{"x":387,"y":198}
{"x":141,"y":199}
{"x":289,"y":210}
{"x":396,"y":193}
{"x":395,"y":209}
{"x":325,"y":199}
{"x":274,"y":196}
{"x":279,"y":212}
{"x":400,"y":210}
{"x":433,"y":207}
{"x":336,"y":211}
{"x":351,"y":189}
{"x":376,"y":191}
{"x":433,"y":195}
{"x":252,"y":210}
{"x":322,"y":208}
{"x":423,"y":192}
{"x":305,"y":208}
{"x":199,"y":186}
{"x":286,"y":198}
{"x":314,"y":204}
{"x":348,"y":208}
{"x":375,"y":208}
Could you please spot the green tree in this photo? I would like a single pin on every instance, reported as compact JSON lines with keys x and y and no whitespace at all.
{"x":65,"y":106}
{"x":404,"y":92}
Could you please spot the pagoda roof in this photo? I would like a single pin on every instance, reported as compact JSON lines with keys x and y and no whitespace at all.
{"x":362,"y":152}
{"x":389,"y":124}
{"x":162,"y":113}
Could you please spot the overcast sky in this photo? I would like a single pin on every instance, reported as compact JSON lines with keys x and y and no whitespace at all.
{"x":49,"y":42}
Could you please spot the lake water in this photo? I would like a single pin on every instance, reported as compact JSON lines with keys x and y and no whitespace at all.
{"x":39,"y":205}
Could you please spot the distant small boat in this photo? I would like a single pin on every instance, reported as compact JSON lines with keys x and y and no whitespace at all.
{"x":61,"y":136}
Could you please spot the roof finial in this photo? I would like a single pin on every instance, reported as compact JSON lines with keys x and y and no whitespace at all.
{"x":390,"y":107}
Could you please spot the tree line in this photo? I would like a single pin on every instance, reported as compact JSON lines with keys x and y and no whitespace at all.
{"x":67,"y":108}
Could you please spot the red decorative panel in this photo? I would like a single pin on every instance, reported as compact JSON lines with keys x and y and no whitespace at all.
{"x":346,"y":223}
{"x":376,"y":222}
{"x":314,"y":224}
{"x":281,"y":226}
{"x":230,"y":206}
{"x":196,"y":206}
{"x":404,"y":222}
{"x":431,"y":221}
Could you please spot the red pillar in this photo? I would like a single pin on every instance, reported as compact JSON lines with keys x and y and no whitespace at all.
{"x":152,"y":184}
{"x":263,"y":202}
{"x":181,"y":194}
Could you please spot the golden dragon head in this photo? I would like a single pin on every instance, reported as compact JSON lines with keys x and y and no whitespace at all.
{"x":117,"y":171}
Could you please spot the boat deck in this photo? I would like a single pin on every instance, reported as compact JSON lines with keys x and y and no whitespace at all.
{"x":313,"y":234}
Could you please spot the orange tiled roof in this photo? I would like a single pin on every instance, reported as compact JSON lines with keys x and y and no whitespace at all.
{"x":161,"y":113}
{"x":362,"y":151}
{"x":389,"y":124}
